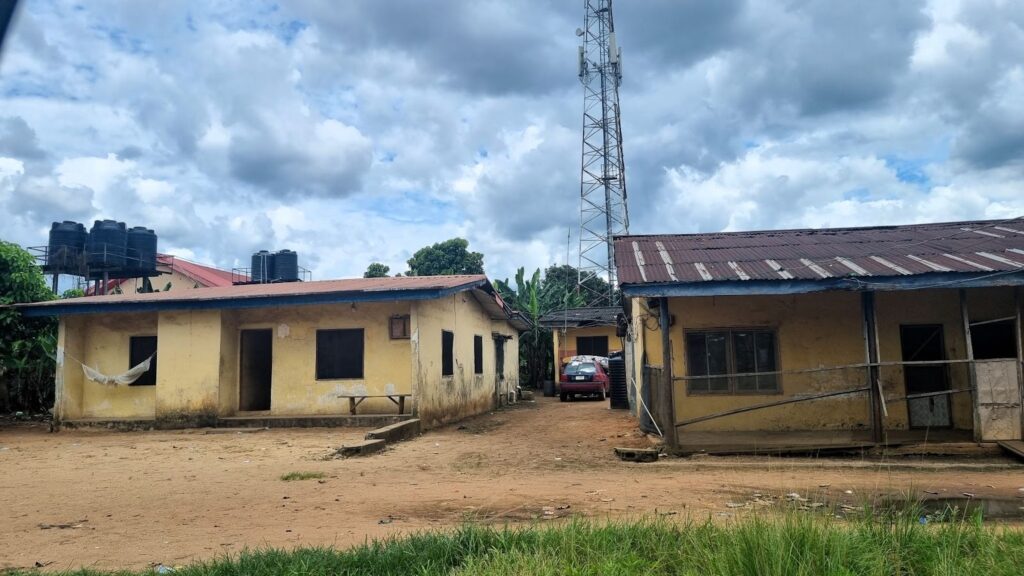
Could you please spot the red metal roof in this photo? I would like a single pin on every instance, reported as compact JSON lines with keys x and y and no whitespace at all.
{"x":206,"y":276}
{"x":809,"y":254}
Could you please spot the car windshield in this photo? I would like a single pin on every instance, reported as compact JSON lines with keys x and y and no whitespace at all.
{"x":580,"y":368}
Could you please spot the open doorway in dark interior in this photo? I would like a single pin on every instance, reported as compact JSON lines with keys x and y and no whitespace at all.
{"x":255,"y":370}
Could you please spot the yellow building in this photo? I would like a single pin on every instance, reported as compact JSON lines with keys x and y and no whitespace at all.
{"x":835,"y":337}
{"x":441,"y":347}
{"x":582,"y":331}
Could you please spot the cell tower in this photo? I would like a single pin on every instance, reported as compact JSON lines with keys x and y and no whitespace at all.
{"x":603,"y":211}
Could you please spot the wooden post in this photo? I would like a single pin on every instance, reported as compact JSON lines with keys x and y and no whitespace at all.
{"x":1019,"y":293}
{"x":969,"y":347}
{"x":666,"y":402}
{"x":867,"y":300}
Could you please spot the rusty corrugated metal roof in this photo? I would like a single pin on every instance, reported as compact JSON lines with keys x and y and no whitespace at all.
{"x":576,"y":317}
{"x":820,"y":254}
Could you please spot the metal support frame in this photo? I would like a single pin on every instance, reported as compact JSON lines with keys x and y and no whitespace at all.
{"x":603,"y":211}
{"x":871,"y":348}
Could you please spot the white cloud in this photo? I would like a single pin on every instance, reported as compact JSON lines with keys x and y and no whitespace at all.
{"x":355,"y":132}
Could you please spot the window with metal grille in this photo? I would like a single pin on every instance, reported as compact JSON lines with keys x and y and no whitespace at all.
{"x":447,"y":353}
{"x":592,"y":345}
{"x":140,"y":348}
{"x":723,"y":355}
{"x":399,"y":327}
{"x":478,"y":354}
{"x":339,"y":354}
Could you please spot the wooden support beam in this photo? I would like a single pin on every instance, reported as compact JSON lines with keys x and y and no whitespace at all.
{"x":666,"y":401}
{"x":969,"y":347}
{"x":1019,"y":323}
{"x":871,"y":348}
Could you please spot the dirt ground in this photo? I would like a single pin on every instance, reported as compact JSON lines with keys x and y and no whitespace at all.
{"x":108,"y":499}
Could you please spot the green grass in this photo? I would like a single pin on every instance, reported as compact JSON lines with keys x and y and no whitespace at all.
{"x":788,"y":544}
{"x":302,"y":476}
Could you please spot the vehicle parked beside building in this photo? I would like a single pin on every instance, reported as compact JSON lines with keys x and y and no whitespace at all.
{"x":584,"y":375}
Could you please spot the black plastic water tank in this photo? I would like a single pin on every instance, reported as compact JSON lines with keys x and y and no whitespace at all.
{"x":286,"y":266}
{"x":107,"y":244}
{"x":617,"y":378}
{"x":141,"y":254}
{"x":66,"y":245}
{"x":262,"y":266}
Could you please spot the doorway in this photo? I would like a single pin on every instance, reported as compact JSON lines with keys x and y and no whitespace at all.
{"x":256,"y":363}
{"x":924,"y":342}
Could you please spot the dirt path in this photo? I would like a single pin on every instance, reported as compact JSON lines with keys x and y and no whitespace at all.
{"x":127,"y":500}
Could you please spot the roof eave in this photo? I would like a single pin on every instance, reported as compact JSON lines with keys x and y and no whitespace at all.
{"x":859,"y":284}
{"x":70,"y":307}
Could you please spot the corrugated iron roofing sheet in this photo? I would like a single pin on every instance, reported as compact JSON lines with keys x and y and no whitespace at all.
{"x":809,"y":254}
{"x":598,"y":316}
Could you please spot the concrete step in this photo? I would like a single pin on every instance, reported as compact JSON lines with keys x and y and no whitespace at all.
{"x":361,"y":448}
{"x":637,"y":454}
{"x":396,"y":432}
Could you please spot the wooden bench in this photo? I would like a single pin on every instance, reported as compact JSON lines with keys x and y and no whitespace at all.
{"x":354,"y":400}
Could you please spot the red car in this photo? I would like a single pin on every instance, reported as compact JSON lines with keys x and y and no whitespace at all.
{"x":584,"y":375}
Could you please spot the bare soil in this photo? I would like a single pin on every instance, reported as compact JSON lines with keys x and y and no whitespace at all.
{"x":107,"y":499}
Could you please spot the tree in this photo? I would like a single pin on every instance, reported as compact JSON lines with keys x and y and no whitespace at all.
{"x":376,"y":270}
{"x":448,"y":257}
{"x":535,"y":345}
{"x":561,"y":289}
{"x":27,"y":345}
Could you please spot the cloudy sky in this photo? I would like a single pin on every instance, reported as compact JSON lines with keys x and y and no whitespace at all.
{"x":359,"y":131}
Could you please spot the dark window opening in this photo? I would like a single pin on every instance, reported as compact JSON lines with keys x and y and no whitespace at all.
{"x":499,"y":357}
{"x":478,"y":354}
{"x":140,"y":348}
{"x":726,"y":353}
{"x":447,"y":353}
{"x":995,"y":340}
{"x":339,"y":354}
{"x":399,"y":327}
{"x":592,"y":345}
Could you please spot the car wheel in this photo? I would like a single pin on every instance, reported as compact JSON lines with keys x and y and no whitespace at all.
{"x":564,"y":397}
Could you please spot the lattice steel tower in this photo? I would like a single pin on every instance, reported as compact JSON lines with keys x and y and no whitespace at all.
{"x":603,"y":212}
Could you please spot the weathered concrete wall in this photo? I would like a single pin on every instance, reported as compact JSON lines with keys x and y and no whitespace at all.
{"x":295,"y":389}
{"x":441,"y":399}
{"x":101,"y":343}
{"x":932,"y":307}
{"x":813,"y":330}
{"x":227,"y":402}
{"x":819,"y":330}
{"x":188,"y":376}
{"x":508,"y":380}
{"x":198,"y":362}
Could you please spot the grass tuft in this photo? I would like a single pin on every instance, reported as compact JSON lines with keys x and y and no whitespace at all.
{"x":302,"y":476}
{"x":788,"y":544}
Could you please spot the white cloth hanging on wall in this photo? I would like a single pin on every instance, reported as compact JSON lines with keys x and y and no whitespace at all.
{"x":124,"y":379}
